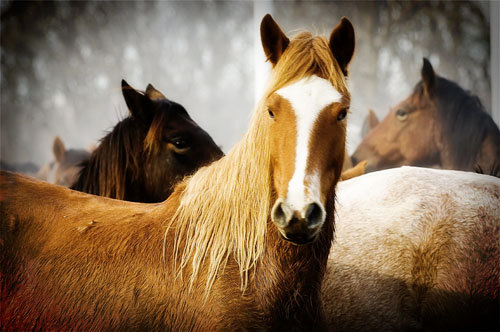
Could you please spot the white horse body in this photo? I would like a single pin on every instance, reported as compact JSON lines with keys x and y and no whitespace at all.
{"x":415,"y":249}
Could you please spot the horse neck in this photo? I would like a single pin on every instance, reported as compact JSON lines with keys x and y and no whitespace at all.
{"x":223,"y":211}
{"x":97,"y":177}
{"x":288,"y":279}
{"x":112,"y":167}
{"x":488,"y":159}
{"x":466,"y":128}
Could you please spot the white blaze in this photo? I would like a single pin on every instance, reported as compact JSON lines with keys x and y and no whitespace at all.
{"x":307,"y":97}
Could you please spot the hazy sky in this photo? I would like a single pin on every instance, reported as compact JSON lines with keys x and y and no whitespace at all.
{"x":62,"y":63}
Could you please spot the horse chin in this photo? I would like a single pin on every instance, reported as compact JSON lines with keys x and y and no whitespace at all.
{"x":298,"y":239}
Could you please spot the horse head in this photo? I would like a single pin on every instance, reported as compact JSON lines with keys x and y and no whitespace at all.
{"x":408,"y":135}
{"x":306,"y":110}
{"x":148,"y":152}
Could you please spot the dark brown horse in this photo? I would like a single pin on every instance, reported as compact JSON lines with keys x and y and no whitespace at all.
{"x":148,"y":152}
{"x":242,"y":244}
{"x":438,"y":125}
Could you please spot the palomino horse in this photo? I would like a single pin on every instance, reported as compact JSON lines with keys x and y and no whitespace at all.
{"x":242,"y":244}
{"x":438,"y":125}
{"x":148,"y":152}
{"x":65,"y":168}
{"x":415,"y":249}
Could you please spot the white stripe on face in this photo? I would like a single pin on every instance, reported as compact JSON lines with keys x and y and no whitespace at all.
{"x":307,"y":97}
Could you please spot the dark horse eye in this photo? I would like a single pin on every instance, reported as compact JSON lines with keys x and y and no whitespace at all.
{"x":180,"y":144}
{"x":402,"y":114}
{"x":342,"y":114}
{"x":271,"y":114}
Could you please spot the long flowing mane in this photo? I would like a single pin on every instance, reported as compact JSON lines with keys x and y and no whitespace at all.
{"x":120,"y":154}
{"x":465,"y":122}
{"x":224,"y":207}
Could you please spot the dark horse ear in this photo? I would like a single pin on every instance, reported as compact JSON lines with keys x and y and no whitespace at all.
{"x":138,"y":104}
{"x":273,"y":39}
{"x":342,"y":43}
{"x":428,"y":76}
{"x":59,"y":149}
{"x":154,"y":94}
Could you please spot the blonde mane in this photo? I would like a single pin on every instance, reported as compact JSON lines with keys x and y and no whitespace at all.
{"x":224,"y":207}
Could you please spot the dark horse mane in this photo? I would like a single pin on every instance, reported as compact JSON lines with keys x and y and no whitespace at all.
{"x":465,"y":122}
{"x":118,"y":157}
{"x":109,"y":161}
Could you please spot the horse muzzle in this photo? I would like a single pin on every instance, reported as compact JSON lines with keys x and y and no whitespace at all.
{"x":299,"y":226}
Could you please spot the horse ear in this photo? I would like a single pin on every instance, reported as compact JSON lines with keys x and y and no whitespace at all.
{"x":373,"y":119}
{"x":154,"y":94}
{"x":59,"y":149}
{"x":138,"y":104}
{"x":342,"y":43}
{"x":274,"y":41}
{"x":428,"y":76}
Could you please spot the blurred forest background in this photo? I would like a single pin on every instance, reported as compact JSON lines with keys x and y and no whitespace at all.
{"x":62,"y":62}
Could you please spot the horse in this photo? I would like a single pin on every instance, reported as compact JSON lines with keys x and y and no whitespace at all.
{"x":65,"y":167}
{"x":439,"y":125}
{"x":148,"y":152}
{"x":415,"y":249}
{"x":242,"y":244}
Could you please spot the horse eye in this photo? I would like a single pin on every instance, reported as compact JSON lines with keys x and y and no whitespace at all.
{"x":180,"y":144}
{"x":342,"y":114}
{"x":402,"y":114}
{"x":271,"y":114}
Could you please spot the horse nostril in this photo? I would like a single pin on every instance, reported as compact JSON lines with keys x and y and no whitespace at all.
{"x":278,"y":215}
{"x":314,"y":214}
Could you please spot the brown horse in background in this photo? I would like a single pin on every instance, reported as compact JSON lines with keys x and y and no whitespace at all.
{"x":415,"y":249}
{"x":65,"y":168}
{"x":240,"y":245}
{"x":148,"y":152}
{"x":438,"y":125}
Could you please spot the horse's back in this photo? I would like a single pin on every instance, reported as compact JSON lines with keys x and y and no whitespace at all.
{"x":65,"y":256}
{"x":415,"y":248}
{"x":26,"y":199}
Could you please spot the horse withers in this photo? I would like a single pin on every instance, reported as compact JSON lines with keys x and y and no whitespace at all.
{"x":242,"y":244}
{"x":148,"y":152}
{"x":438,"y":125}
